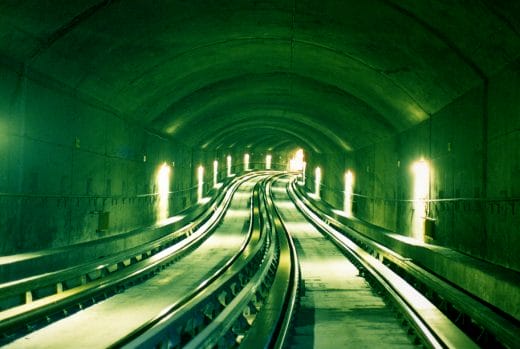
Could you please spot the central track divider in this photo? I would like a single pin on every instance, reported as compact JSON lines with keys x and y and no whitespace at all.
{"x":248,"y":302}
{"x":273,"y":322}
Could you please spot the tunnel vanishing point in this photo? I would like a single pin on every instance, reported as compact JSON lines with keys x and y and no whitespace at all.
{"x":403,"y":116}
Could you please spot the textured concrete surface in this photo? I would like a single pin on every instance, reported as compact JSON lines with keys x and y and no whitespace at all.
{"x":338,"y":308}
{"x":106,"y":322}
{"x":89,"y":88}
{"x":474,"y":176}
{"x":494,"y":284}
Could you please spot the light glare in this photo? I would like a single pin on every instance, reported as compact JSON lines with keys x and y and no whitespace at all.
{"x":215,"y":173}
{"x":317,"y":182}
{"x":246,"y":162}
{"x":421,"y":187}
{"x":200,"y":184}
{"x":268,"y":159}
{"x":228,"y":164}
{"x":296,"y":162}
{"x":349,"y":187}
{"x":163,"y":186}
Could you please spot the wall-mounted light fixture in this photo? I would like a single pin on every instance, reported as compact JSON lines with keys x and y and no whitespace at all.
{"x":349,"y":189}
{"x":421,"y":189}
{"x":228,"y":165}
{"x":246,"y":162}
{"x":317,"y":182}
{"x":215,"y":173}
{"x":200,"y":182}
{"x":163,"y":186}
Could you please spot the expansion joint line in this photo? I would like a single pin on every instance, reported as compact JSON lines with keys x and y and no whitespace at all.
{"x":69,"y":26}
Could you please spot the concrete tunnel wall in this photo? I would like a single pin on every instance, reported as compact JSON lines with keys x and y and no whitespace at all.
{"x":71,"y":144}
{"x":66,"y":158}
{"x":473,"y":148}
{"x":55,"y":180}
{"x":60,"y":171}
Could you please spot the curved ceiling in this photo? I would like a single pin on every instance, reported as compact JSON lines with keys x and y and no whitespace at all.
{"x":325,"y":75}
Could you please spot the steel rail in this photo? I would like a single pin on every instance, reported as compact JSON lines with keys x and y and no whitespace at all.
{"x":272,"y":323}
{"x":96,"y":280}
{"x":184,"y":320}
{"x":433,"y":328}
{"x":257,"y":312}
{"x":499,"y":330}
{"x":232,"y":324}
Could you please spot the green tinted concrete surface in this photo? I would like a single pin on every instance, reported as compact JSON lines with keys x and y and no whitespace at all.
{"x":104,"y":323}
{"x":494,"y":284}
{"x":337,"y":308}
{"x":96,"y":95}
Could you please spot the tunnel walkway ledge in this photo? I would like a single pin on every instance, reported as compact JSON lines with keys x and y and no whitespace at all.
{"x":27,"y":264}
{"x":493,"y":284}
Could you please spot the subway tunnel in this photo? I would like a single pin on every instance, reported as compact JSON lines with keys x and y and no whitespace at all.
{"x":408,"y":101}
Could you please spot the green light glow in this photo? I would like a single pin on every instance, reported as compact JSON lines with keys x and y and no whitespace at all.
{"x":228,"y":163}
{"x":215,"y":173}
{"x":317,"y":182}
{"x":349,"y":187}
{"x":303,"y":173}
{"x":268,"y":159}
{"x":296,"y":162}
{"x":246,"y":162}
{"x":200,"y":183}
{"x":421,"y":171}
{"x":163,"y":185}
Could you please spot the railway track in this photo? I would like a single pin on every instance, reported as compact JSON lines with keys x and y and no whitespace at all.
{"x":444,"y":308}
{"x":344,"y":296}
{"x":265,"y":277}
{"x":348,"y":298}
{"x":100,"y":311}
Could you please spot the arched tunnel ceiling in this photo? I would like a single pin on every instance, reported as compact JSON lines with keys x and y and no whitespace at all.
{"x":329,"y":75}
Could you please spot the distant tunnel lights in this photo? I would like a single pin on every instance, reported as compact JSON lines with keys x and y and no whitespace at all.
{"x":317,"y":182}
{"x":296,"y":162}
{"x":246,"y":162}
{"x":268,"y":159}
{"x":200,"y":183}
{"x":349,"y":188}
{"x":421,"y":187}
{"x":163,"y":186}
{"x":215,"y":173}
{"x":228,"y":165}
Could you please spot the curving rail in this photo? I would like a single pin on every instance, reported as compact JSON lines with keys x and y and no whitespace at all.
{"x":430,"y":325}
{"x":484,"y":325}
{"x":239,"y":304}
{"x":185,"y":319}
{"x":249,"y":300}
{"x":52,"y":296}
{"x":273,"y":321}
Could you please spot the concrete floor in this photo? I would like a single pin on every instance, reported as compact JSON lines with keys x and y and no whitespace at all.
{"x":338,"y":308}
{"x":105,"y":322}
